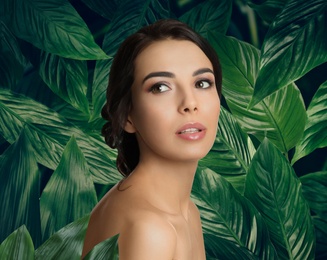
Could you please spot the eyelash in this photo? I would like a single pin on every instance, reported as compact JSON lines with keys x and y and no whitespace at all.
{"x":155,"y":88}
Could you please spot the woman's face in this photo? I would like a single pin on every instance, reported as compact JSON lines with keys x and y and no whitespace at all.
{"x":176,"y":106}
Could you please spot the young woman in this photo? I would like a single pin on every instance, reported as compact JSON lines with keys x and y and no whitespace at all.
{"x":163,"y":104}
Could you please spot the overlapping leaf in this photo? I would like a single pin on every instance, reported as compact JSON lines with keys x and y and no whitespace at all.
{"x":50,"y":133}
{"x":267,"y":9}
{"x":71,"y":183}
{"x":129,"y":17}
{"x":294,"y":44}
{"x":107,"y":249}
{"x":315,"y":134}
{"x":217,"y":14}
{"x":104,"y":8}
{"x":231,"y":153}
{"x":67,"y":243}
{"x":275,"y":190}
{"x":18,"y":245}
{"x":19,"y":189}
{"x":44,"y":24}
{"x":228,"y":215}
{"x":280,"y":117}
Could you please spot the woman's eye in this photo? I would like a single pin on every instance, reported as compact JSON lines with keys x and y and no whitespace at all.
{"x":159,"y":88}
{"x":203,"y":84}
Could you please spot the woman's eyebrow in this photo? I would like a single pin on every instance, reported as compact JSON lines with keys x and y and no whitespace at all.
{"x":159,"y":74}
{"x":201,"y":71}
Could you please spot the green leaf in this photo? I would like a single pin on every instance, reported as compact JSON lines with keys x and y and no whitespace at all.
{"x":11,"y":58}
{"x":71,"y":183}
{"x":20,"y":189}
{"x":321,"y":234}
{"x":219,"y":248}
{"x":267,"y":9}
{"x":275,"y":190}
{"x":315,"y":135}
{"x":107,"y":249}
{"x":228,"y":215}
{"x":50,"y":132}
{"x":231,"y":153}
{"x":294,"y":44}
{"x":53,"y":26}
{"x":314,"y":187}
{"x":129,"y":17}
{"x":210,"y":15}
{"x":18,"y":245}
{"x":105,"y":8}
{"x":280,"y":117}
{"x":67,"y":243}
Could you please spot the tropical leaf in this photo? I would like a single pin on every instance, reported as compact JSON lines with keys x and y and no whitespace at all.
{"x":314,"y":187}
{"x":107,"y":249}
{"x":217,"y":15}
{"x":51,"y":133}
{"x":11,"y":58}
{"x":231,"y":153}
{"x":71,"y":182}
{"x":228,"y":215}
{"x":129,"y":17}
{"x":67,"y":243}
{"x":294,"y":44}
{"x":315,"y":135}
{"x":19,"y":189}
{"x":280,"y":117}
{"x":44,"y":24}
{"x":275,"y":190}
{"x":219,"y":248}
{"x":267,"y":9}
{"x":106,"y":9}
{"x":18,"y":245}
{"x":321,"y":234}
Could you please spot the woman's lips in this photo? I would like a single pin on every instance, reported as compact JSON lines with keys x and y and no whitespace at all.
{"x":191,"y":131}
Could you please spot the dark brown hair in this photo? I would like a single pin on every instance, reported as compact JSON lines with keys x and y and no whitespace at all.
{"x":121,"y":77}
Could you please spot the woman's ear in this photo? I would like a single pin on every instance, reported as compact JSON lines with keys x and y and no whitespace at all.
{"x":129,"y":126}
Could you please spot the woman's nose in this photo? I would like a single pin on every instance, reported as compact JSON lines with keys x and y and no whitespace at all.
{"x":188,"y":103}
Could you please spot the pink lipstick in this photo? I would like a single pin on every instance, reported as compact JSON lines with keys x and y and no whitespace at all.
{"x":191,"y":131}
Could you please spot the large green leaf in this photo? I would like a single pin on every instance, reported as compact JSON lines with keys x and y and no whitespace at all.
{"x":321,"y":234}
{"x":107,"y":249}
{"x":11,"y":58}
{"x":18,"y":245}
{"x":53,"y":26}
{"x":210,"y":15}
{"x":231,"y":153}
{"x":294,"y":44}
{"x":66,"y":244}
{"x":71,"y":183}
{"x":315,"y":135}
{"x":280,"y":117}
{"x":315,"y":191}
{"x":104,"y":8}
{"x":129,"y":17}
{"x":275,"y":190}
{"x":228,"y":215}
{"x":20,"y":189}
{"x":267,"y":9}
{"x":50,"y":132}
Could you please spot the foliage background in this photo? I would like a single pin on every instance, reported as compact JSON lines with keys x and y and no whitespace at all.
{"x":262,"y":188}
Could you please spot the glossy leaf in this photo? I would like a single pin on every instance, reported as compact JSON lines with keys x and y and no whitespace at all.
{"x":11,"y":58}
{"x":267,"y":9}
{"x":129,"y":17}
{"x":231,"y":153}
{"x":219,"y":248}
{"x":314,"y":187}
{"x":44,"y":24}
{"x":104,"y":8}
{"x":315,"y":135}
{"x":228,"y":215}
{"x":67,"y":243}
{"x":19,"y":189}
{"x":321,"y":234}
{"x":294,"y":44}
{"x":217,"y":15}
{"x":18,"y":245}
{"x":275,"y":190}
{"x":71,"y":183}
{"x":107,"y":249}
{"x":280,"y":117}
{"x":50,"y":133}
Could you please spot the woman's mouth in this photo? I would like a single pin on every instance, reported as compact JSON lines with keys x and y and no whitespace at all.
{"x":191,"y":131}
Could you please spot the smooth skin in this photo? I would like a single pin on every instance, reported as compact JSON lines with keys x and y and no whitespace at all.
{"x":151,"y":209}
